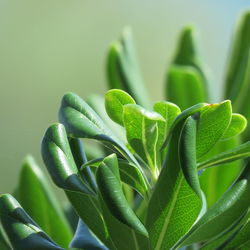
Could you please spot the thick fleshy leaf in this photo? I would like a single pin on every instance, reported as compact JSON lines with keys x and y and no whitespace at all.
{"x":174,"y":206}
{"x":185,"y":86}
{"x":81,"y":121}
{"x":22,"y":231}
{"x":224,"y":213}
{"x":187,"y":152}
{"x":108,"y":179}
{"x":240,"y":152}
{"x":168,"y":111}
{"x":123,"y":71}
{"x":214,"y":120}
{"x":142,"y":132}
{"x":85,"y":239}
{"x":115,"y":99}
{"x":216,"y":180}
{"x":237,"y":126}
{"x":39,"y":201}
{"x":59,"y":160}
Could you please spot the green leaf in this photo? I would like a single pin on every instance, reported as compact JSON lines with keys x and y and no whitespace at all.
{"x":40,"y":202}
{"x":185,"y":86}
{"x":59,"y":160}
{"x":142,"y":132}
{"x":241,"y":239}
{"x":236,"y":81}
{"x":216,"y":180}
{"x":224,"y":213}
{"x":81,"y":121}
{"x":22,"y":231}
{"x":125,"y":229}
{"x":131,"y":176}
{"x":240,"y":152}
{"x":174,"y":206}
{"x":115,"y":99}
{"x":108,"y":179}
{"x":214,"y":120}
{"x":237,"y":126}
{"x":123,"y":70}
{"x":168,"y":111}
{"x":187,"y":153}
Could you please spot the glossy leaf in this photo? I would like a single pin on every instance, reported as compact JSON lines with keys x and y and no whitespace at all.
{"x":125,"y":229}
{"x":214,"y":120}
{"x":185,"y":86}
{"x":3,"y":242}
{"x":142,"y":132}
{"x":187,"y":152}
{"x":168,"y":111}
{"x":59,"y":160}
{"x":115,"y":99}
{"x":81,"y":121}
{"x":85,"y":239}
{"x":108,"y":179}
{"x":22,"y":231}
{"x":171,"y":215}
{"x":237,"y":153}
{"x":123,"y":70}
{"x":40,"y":202}
{"x":224,"y":213}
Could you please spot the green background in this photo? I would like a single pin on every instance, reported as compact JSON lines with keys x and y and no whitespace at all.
{"x":49,"y":47}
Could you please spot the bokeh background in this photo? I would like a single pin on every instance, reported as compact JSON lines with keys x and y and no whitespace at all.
{"x":49,"y":47}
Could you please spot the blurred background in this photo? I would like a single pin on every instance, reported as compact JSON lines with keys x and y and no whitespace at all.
{"x":50,"y":47}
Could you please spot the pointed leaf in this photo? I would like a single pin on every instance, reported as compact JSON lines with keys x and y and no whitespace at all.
{"x":237,"y":126}
{"x":115,"y":99}
{"x":123,"y":71}
{"x":185,"y":86}
{"x":59,"y":160}
{"x":39,"y":200}
{"x":22,"y":231}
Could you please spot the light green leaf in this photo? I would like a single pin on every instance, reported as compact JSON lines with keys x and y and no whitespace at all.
{"x":22,"y":231}
{"x":168,"y":111}
{"x":224,"y":213}
{"x":214,"y":120}
{"x":240,"y":152}
{"x":142,"y":132}
{"x":123,"y":70}
{"x":237,"y":126}
{"x":59,"y":160}
{"x":185,"y":86}
{"x":115,"y":99}
{"x":81,"y":121}
{"x":126,"y":230}
{"x":40,"y":202}
{"x":187,"y":153}
{"x":174,"y":206}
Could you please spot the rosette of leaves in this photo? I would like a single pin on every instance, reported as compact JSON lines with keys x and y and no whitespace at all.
{"x":171,"y":174}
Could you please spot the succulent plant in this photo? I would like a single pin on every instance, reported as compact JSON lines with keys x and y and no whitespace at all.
{"x":168,"y":175}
